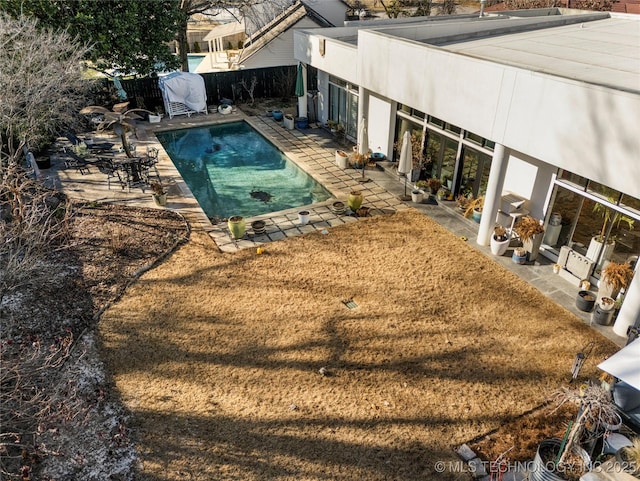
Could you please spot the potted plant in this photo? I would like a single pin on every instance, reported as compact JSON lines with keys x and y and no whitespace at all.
{"x":629,"y":457}
{"x":421,"y":184}
{"x":474,"y":208}
{"x":531,"y":231}
{"x":585,"y":300}
{"x":519,"y":255}
{"x":442,"y":194}
{"x":499,"y":240}
{"x":355,"y":200}
{"x":417,"y":196}
{"x":597,"y":247}
{"x":615,"y":277}
{"x":237,"y":226}
{"x":303,"y":217}
{"x":434,"y":184}
{"x":462,"y":201}
{"x":158,"y":193}
{"x":359,"y":160}
{"x":566,"y":459}
{"x":341,"y":159}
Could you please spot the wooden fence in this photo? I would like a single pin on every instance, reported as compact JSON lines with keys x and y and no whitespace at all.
{"x":272,"y":82}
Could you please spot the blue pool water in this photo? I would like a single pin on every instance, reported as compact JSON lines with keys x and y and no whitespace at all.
{"x":233,"y":170}
{"x":194,"y":61}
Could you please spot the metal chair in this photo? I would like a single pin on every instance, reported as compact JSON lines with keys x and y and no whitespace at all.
{"x":136,"y":174}
{"x":151,"y":161}
{"x":107,"y":166}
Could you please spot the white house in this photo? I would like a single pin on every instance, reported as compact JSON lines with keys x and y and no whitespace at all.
{"x":272,"y":44}
{"x":541,"y":104}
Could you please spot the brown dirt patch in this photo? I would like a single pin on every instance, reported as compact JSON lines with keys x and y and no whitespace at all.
{"x":83,"y":432}
{"x":218,"y":356}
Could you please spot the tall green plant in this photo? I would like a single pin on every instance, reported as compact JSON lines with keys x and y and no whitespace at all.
{"x":611,"y":217}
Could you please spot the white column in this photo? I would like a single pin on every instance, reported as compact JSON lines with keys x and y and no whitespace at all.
{"x":302,"y":101}
{"x":629,"y":314}
{"x":499,"y":163}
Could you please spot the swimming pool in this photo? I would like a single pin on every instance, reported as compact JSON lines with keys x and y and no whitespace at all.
{"x":194,"y":61}
{"x":232,"y":169}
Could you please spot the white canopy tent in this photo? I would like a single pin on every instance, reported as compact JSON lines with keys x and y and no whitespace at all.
{"x":625,"y":364}
{"x":183,"y":93}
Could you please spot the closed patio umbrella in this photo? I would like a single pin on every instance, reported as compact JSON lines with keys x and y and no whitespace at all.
{"x":299,"y":82}
{"x":363,"y":144}
{"x":405,"y":163}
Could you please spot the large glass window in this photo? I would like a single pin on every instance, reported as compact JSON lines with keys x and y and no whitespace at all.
{"x":343,"y":106}
{"x":602,"y":228}
{"x":475,"y":171}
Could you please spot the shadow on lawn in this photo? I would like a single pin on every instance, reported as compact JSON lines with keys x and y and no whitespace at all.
{"x":219,"y":447}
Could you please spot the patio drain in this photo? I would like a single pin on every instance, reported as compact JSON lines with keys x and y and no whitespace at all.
{"x":350,"y":303}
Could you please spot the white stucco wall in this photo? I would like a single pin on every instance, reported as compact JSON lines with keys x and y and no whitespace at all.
{"x":381,"y":111}
{"x":340,"y":59}
{"x":530,"y":179}
{"x":588,"y":129}
{"x":279,"y":50}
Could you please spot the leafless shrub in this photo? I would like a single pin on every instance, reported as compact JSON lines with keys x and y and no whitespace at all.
{"x":33,"y":222}
{"x":596,"y":409}
{"x":41,"y":86}
{"x":26,"y":408}
{"x":118,"y":240}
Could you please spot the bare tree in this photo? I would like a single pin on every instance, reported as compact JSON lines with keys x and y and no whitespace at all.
{"x":525,"y":4}
{"x":447,"y":7}
{"x":251,"y":87}
{"x":41,"y":86}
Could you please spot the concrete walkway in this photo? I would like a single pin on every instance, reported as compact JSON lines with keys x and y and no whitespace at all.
{"x":313,"y":150}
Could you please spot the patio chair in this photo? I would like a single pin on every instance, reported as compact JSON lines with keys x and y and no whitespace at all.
{"x":150,"y":161}
{"x":74,"y":161}
{"x":135,"y":174}
{"x":97,"y":146}
{"x":107,"y":166}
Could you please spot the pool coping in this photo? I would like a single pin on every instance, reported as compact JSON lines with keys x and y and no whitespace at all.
{"x":310,"y":149}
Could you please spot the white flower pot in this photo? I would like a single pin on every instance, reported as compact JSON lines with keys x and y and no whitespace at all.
{"x":417,"y":196}
{"x":303,"y":217}
{"x":341,"y":159}
{"x":498,"y":248}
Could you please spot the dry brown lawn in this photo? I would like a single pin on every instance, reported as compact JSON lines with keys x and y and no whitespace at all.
{"x":218,"y":355}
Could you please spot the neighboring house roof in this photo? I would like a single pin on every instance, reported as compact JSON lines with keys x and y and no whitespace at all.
{"x":225,"y":30}
{"x":279,"y":25}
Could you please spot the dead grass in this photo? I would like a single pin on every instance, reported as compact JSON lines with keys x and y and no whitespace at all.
{"x":218,"y":355}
